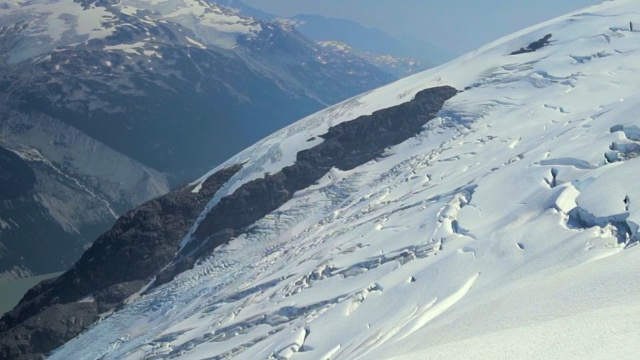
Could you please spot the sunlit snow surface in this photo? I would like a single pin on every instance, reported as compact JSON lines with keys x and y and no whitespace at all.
{"x":44,"y":25}
{"x":499,"y":232}
{"x":41,"y":26}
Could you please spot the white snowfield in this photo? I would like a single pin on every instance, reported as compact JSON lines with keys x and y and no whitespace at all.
{"x":45,"y":25}
{"x":209,"y":23}
{"x":505,"y":230}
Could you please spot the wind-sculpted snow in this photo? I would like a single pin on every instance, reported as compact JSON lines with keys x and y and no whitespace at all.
{"x":516,"y":208}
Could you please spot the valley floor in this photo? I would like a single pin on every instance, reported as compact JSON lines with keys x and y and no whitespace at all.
{"x":12,"y":291}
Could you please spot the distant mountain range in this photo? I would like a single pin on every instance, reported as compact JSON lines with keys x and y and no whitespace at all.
{"x":398,"y":66}
{"x":109,"y":104}
{"x":358,"y":37}
{"x":370,"y":40}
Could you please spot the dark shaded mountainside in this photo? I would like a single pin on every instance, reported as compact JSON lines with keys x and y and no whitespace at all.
{"x":143,"y":245}
{"x":28,"y":219}
{"x":107,"y":122}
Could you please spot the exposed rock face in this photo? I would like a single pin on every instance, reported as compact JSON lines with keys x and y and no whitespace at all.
{"x":119,"y":263}
{"x":538,"y":44}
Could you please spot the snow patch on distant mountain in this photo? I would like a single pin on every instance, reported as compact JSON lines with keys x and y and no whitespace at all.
{"x":45,"y":25}
{"x":210,"y":23}
{"x":399,"y":66}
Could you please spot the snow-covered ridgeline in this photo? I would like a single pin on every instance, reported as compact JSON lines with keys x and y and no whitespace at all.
{"x":516,"y":206}
{"x":209,"y":23}
{"x":45,"y":25}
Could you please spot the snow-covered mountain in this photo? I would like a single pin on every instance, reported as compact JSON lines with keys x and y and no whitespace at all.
{"x":108,"y":69}
{"x":111,"y":102}
{"x":396,"y":65}
{"x":370,"y":40}
{"x":484,"y":209}
{"x":400,"y":56}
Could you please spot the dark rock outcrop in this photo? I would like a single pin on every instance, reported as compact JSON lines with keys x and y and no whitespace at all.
{"x":345,"y":146}
{"x":534,"y":45}
{"x":119,"y":264}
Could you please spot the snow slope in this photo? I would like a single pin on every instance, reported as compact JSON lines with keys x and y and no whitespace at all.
{"x":505,"y":229}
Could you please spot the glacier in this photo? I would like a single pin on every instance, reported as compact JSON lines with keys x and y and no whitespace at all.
{"x":506,"y":228}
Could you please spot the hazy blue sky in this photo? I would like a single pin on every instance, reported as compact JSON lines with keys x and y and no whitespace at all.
{"x":455,"y":25}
